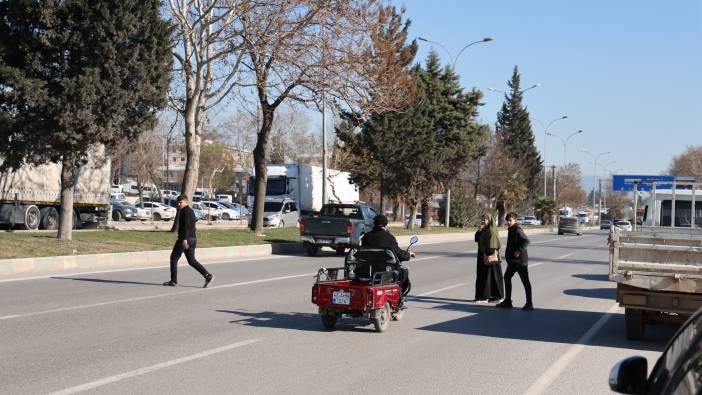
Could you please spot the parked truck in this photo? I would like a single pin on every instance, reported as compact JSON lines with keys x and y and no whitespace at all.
{"x":658,"y":266}
{"x":338,"y":226}
{"x":31,"y":196}
{"x":303,"y":184}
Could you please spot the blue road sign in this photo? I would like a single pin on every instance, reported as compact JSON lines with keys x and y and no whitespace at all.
{"x":626,"y":182}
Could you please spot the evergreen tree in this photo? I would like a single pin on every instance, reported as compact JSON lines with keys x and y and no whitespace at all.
{"x":513,"y":128}
{"x":78,"y":73}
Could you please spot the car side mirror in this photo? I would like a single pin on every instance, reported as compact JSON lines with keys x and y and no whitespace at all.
{"x":628,"y":376}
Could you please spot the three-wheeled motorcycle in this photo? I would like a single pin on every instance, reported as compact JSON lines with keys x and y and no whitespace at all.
{"x":371,"y":284}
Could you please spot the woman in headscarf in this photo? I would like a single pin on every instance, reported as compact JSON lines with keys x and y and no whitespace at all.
{"x":489,"y":284}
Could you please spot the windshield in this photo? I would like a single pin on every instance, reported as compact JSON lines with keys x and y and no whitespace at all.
{"x":341,"y":211}
{"x":272,"y":206}
{"x":530,"y":218}
{"x":622,"y":223}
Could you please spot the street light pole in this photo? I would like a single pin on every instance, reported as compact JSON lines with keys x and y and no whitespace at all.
{"x":545,"y":134}
{"x":564,"y":141}
{"x":595,"y":158}
{"x":453,"y":67}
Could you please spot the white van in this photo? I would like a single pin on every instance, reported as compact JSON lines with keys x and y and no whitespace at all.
{"x":225,"y":198}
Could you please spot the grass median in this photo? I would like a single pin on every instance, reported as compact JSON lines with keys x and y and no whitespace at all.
{"x":23,"y":244}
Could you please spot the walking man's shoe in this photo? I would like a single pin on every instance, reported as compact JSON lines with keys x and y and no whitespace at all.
{"x":208,"y":280}
{"x":528,"y":307}
{"x":170,"y":284}
{"x":505,"y":304}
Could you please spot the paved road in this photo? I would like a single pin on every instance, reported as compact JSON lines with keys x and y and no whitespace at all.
{"x":256,"y":331}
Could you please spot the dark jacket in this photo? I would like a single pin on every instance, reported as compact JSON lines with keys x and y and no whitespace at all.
{"x":516,"y":241}
{"x":186,"y":224}
{"x":381,"y":238}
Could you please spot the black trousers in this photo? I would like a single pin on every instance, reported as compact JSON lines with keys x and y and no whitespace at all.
{"x":189,"y":255}
{"x":523,"y":272}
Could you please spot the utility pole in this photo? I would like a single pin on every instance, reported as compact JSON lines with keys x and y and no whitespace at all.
{"x":553,"y":175}
{"x":599,"y":206}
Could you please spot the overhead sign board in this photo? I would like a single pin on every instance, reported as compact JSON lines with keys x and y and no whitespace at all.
{"x":626,"y":182}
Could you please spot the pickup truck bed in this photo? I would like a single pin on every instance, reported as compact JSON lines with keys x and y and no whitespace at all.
{"x":339,"y":226}
{"x":658,"y":272}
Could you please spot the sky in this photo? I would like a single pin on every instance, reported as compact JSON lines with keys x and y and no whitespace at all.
{"x":627,"y":73}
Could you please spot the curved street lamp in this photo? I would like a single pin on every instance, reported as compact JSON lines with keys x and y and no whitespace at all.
{"x":491,"y":89}
{"x":545,"y":134}
{"x":453,"y":67}
{"x":564,"y":141}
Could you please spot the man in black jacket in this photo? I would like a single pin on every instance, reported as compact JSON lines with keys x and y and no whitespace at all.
{"x":517,"y":262}
{"x":186,"y":244}
{"x":379,"y":237}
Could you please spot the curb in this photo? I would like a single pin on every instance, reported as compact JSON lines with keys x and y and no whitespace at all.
{"x":54,"y":265}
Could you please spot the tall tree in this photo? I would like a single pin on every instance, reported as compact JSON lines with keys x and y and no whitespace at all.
{"x":513,"y":126}
{"x":569,"y":190}
{"x":310,"y":51}
{"x":74,"y":74}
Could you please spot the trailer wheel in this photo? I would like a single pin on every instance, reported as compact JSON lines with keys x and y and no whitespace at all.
{"x":634,"y":323}
{"x":49,"y":218}
{"x":32,"y":217}
{"x":328,"y":320}
{"x":384,"y":316}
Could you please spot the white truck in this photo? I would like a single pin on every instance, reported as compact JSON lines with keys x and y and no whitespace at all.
{"x":303,"y":184}
{"x":658,"y":267}
{"x":31,"y":196}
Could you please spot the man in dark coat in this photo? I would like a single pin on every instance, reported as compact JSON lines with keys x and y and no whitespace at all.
{"x":379,"y":237}
{"x":517,"y":262}
{"x":186,"y":243}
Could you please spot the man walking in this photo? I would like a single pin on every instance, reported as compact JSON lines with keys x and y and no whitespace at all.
{"x":517,"y":262}
{"x":186,"y":243}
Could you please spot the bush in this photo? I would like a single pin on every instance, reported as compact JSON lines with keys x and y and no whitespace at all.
{"x":465,"y":211}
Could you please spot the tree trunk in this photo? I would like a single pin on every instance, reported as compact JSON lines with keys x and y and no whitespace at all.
{"x":426,"y":211}
{"x":192,"y":154}
{"x":68,"y":178}
{"x":396,"y":210}
{"x":413,"y":214}
{"x":500,"y":206}
{"x":259,"y":155}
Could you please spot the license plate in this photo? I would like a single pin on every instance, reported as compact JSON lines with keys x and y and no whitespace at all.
{"x":341,"y":297}
{"x":324,"y":241}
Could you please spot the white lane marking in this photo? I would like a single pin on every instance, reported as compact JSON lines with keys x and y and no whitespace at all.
{"x":441,"y":289}
{"x":86,"y":306}
{"x":560,"y":257}
{"x":546,"y":379}
{"x":152,"y":368}
{"x":136,"y":269}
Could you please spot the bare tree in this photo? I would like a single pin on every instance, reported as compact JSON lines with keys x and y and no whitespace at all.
{"x":309,"y":51}
{"x":569,"y":190}
{"x":502,"y":179}
{"x":208,"y":54}
{"x":688,"y":163}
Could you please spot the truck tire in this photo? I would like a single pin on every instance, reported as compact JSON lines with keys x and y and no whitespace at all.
{"x":384,"y":316}
{"x":312,"y":250}
{"x":49,"y":218}
{"x":634,"y":322}
{"x":32,"y":217}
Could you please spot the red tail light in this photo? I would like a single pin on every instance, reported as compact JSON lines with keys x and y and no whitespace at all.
{"x":349,"y":228}
{"x":302,"y":226}
{"x":369,"y":297}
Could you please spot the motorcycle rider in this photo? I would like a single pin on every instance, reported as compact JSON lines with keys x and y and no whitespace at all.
{"x":379,"y":237}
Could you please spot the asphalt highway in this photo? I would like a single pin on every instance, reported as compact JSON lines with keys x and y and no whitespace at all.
{"x":256,"y":331}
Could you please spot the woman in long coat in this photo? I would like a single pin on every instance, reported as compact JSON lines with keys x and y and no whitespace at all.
{"x":489,"y":284}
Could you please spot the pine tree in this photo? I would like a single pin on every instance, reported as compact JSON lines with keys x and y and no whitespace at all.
{"x":78,"y":73}
{"x":513,"y":128}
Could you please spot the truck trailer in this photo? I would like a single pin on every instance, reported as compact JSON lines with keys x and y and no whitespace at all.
{"x":303,"y":184}
{"x":30,"y":196}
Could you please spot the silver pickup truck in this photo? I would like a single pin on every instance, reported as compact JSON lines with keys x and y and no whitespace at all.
{"x":338,"y":226}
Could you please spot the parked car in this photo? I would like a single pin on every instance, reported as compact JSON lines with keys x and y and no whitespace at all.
{"x":236,"y":207}
{"x":116,"y":188}
{"x":160,"y":211}
{"x":605,"y":224}
{"x":569,"y":225}
{"x":143,"y":213}
{"x":623,"y":225}
{"x":530,"y":220}
{"x":224,"y":198}
{"x":227,"y":213}
{"x":279,"y":214}
{"x":417,"y":220}
{"x":212,"y":213}
{"x":123,"y":210}
{"x":677,"y":370}
{"x":118,"y":196}
{"x":520,"y":220}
